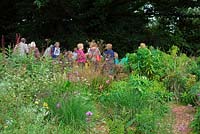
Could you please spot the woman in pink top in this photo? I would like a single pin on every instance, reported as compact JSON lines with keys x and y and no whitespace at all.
{"x":81,"y":58}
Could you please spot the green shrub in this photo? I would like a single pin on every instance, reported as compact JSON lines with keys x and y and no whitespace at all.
{"x":191,"y":97}
{"x":196,"y":122}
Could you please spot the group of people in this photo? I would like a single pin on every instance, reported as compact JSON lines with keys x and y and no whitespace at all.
{"x":23,"y":49}
{"x":78,"y":57}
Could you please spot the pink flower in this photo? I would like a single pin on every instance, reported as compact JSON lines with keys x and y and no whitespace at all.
{"x":108,"y":81}
{"x":89,"y":113}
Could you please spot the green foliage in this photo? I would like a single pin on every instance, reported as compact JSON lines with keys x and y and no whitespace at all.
{"x":40,"y":3}
{"x":146,"y":122}
{"x":121,"y":22}
{"x":128,"y":100}
{"x":181,"y":66}
{"x":191,"y":96}
{"x":70,"y":109}
{"x":50,"y":103}
{"x":195,"y":69}
{"x":148,"y":62}
{"x":99,"y":84}
{"x":196,"y":122}
{"x":116,"y":126}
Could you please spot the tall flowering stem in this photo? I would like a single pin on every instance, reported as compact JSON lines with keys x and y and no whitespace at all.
{"x":88,"y":119}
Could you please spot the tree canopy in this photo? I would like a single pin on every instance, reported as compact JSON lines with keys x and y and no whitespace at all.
{"x":125,"y":23}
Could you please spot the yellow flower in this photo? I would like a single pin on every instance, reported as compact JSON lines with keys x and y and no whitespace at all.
{"x":45,"y":105}
{"x":36,"y":102}
{"x":5,"y":126}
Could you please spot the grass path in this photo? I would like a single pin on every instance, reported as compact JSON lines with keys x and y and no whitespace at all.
{"x":183,"y":115}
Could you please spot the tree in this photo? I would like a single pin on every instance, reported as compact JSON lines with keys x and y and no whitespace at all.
{"x":125,"y":23}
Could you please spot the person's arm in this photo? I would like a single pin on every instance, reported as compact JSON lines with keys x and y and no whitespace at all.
{"x":37,"y":53}
{"x":15,"y":48}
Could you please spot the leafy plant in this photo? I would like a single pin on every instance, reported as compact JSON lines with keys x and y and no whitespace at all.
{"x":196,"y":122}
{"x":148,"y":62}
{"x":71,"y":109}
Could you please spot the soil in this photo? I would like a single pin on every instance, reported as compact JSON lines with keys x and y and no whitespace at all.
{"x":183,"y":117}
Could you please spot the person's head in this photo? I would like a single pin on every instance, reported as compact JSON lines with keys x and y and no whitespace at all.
{"x":80,"y":46}
{"x":142,"y":45}
{"x":33,"y":45}
{"x":65,"y":52}
{"x":116,"y":55}
{"x":75,"y":49}
{"x":109,"y":46}
{"x":57,"y":44}
{"x":23,"y":40}
{"x":70,"y":54}
{"x":93,"y":44}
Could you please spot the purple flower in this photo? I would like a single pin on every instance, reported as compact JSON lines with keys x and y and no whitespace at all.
{"x":198,"y":94}
{"x":58,"y":105}
{"x":89,"y":113}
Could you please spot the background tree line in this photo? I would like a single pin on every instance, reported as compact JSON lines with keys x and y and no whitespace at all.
{"x":125,"y":23}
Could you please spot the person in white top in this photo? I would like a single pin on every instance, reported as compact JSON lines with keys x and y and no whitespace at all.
{"x":47,"y":52}
{"x":21,"y":48}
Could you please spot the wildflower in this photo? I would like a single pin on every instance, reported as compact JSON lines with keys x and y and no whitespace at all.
{"x":5,"y":126}
{"x":58,"y":105}
{"x":45,"y":105}
{"x":89,"y":113}
{"x":189,"y":105}
{"x":198,"y":94}
{"x":87,"y":83}
{"x":108,"y":81}
{"x":36,"y":102}
{"x":100,"y":87}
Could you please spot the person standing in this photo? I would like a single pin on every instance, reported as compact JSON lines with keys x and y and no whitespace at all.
{"x":21,"y":48}
{"x":81,"y":58}
{"x":55,"y":50}
{"x":108,"y":66}
{"x":33,"y":50}
{"x":94,"y":55}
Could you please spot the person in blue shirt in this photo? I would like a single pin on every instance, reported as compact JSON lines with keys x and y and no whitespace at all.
{"x":55,"y":50}
{"x":116,"y":58}
{"x":108,"y":66}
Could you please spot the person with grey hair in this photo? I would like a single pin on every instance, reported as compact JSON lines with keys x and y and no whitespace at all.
{"x":21,"y":48}
{"x":33,"y":50}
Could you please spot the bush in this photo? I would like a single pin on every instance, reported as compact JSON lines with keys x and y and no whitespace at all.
{"x":196,"y":122}
{"x":192,"y":96}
